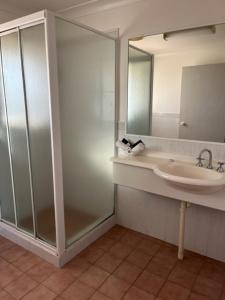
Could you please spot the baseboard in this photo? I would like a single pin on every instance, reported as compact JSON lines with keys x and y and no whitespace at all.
{"x":29,"y":243}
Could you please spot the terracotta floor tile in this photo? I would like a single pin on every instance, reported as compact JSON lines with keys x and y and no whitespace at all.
{"x":167,"y":255}
{"x":21,"y":286}
{"x":148,"y":247}
{"x":172,"y":291}
{"x":120,"y":250}
{"x":213,"y":261}
{"x":27,"y":261}
{"x":139,"y":259}
{"x":207,"y":287}
{"x":168,"y":249}
{"x":182,"y":277}
{"x":78,"y":291}
{"x":3,"y":263}
{"x":8,"y":273}
{"x":149,"y":282}
{"x":5,"y":296}
{"x":191,"y":263}
{"x":5,"y":244}
{"x":13,"y":253}
{"x":194,"y":296}
{"x":40,"y":293}
{"x":41,"y":271}
{"x":108,"y":263}
{"x":115,"y":233}
{"x":160,"y":268}
{"x":168,"y":262}
{"x":77,"y":266}
{"x":127,"y":272}
{"x":99,"y":296}
{"x":114,"y":288}
{"x":104,"y":243}
{"x":137,"y":233}
{"x":94,"y":277}
{"x":92,"y":254}
{"x":59,"y":281}
{"x":130,"y":239}
{"x":155,"y":240}
{"x":213,"y":271}
{"x":136,"y":294}
{"x":111,"y":264}
{"x":223,"y":294}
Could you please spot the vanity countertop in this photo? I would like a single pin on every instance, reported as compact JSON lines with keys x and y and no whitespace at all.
{"x":138,"y":172}
{"x":152,"y":159}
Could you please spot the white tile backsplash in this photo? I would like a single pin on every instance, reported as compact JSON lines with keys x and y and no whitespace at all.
{"x":190,"y":148}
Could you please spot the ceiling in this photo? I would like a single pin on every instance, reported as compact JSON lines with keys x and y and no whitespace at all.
{"x":182,"y":41}
{"x":11,"y":9}
{"x":34,"y":5}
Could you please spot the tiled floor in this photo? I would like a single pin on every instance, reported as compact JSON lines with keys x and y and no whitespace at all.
{"x":123,"y":264}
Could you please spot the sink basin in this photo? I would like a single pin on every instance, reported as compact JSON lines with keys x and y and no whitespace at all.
{"x":191,"y":177}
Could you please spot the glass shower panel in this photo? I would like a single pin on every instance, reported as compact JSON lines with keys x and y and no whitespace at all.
{"x":16,"y":112}
{"x":86,"y":64}
{"x":36,"y":89}
{"x":6,"y":186}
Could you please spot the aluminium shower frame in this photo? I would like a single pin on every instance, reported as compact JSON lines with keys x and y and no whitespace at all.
{"x":58,"y":255}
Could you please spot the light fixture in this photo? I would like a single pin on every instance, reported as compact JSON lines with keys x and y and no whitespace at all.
{"x":190,"y":32}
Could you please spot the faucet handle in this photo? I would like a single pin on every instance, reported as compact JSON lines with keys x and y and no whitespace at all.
{"x":199,"y":163}
{"x":220,"y":169}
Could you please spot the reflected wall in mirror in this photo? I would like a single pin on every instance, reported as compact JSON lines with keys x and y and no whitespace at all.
{"x":176,"y":84}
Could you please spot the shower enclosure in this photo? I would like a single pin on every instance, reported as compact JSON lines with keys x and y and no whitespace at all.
{"x":57,"y":133}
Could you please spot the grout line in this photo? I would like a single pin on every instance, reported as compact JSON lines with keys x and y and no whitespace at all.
{"x":93,"y":264}
{"x":144,"y":269}
{"x":124,"y":259}
{"x":197,"y":274}
{"x":166,"y":279}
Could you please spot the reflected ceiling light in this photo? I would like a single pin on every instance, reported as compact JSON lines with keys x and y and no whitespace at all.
{"x":138,"y":38}
{"x":190,"y":32}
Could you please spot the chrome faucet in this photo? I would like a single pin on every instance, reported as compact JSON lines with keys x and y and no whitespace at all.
{"x":200,"y":158}
{"x":220,"y":168}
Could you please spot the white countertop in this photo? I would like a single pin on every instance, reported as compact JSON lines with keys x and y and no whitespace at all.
{"x":152,"y":159}
{"x":143,"y":178}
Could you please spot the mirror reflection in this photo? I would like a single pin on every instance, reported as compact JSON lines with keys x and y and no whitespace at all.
{"x":176,"y":84}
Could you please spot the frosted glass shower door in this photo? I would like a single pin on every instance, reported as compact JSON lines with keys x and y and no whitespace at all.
{"x":17,"y":126}
{"x":6,"y":184}
{"x":86,"y":66}
{"x":26,"y":174}
{"x":33,"y":50}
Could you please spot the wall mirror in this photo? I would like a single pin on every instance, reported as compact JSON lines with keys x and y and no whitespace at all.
{"x":176,"y":84}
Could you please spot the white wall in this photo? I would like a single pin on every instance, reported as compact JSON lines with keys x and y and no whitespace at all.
{"x":167,"y":85}
{"x":168,"y":75}
{"x":148,"y":17}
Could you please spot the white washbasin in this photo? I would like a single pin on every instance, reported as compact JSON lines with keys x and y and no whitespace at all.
{"x":191,"y":177}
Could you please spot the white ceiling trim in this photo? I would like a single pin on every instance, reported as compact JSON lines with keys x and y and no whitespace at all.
{"x":94,"y":6}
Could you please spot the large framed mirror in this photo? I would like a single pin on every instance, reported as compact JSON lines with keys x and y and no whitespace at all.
{"x":176,"y":84}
